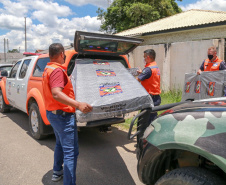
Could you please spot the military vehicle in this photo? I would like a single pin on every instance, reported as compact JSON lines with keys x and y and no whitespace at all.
{"x":186,"y":144}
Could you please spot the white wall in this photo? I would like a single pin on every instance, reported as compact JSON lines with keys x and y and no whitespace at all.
{"x":136,"y":57}
{"x":11,"y":58}
{"x":206,"y":33}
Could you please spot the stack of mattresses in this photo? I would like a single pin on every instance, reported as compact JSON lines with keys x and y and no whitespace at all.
{"x":109,"y":88}
{"x":203,"y":86}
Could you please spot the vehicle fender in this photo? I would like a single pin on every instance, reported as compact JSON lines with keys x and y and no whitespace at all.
{"x":35,"y":94}
{"x":200,"y":133}
{"x":126,"y":59}
{"x":3,"y":88}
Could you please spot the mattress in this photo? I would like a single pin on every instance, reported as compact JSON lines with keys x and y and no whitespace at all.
{"x":203,"y":86}
{"x":109,"y":87}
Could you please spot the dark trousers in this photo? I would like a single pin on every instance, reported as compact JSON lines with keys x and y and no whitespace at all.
{"x":157,"y":101}
{"x":145,"y":120}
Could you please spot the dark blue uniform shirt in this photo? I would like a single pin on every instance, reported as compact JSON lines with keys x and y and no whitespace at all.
{"x":146,"y":73}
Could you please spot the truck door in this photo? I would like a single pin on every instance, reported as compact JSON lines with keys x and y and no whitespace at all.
{"x":11,"y":84}
{"x":21,"y":85}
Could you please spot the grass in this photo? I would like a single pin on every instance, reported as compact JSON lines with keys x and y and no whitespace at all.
{"x":167,"y":98}
{"x":171,"y":97}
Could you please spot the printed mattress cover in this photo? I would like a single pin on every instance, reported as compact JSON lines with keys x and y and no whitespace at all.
{"x":204,"y":86}
{"x":109,"y":87}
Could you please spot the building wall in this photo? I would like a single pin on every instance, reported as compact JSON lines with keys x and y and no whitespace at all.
{"x":216,"y":32}
{"x":136,"y":57}
{"x":11,"y":58}
{"x":177,"y":58}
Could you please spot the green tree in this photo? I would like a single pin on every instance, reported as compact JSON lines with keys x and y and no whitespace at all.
{"x":126,"y":14}
{"x":13,"y":51}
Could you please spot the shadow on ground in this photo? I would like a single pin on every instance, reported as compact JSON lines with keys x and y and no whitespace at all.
{"x":99,"y":161}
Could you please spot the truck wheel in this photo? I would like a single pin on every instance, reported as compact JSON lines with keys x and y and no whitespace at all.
{"x":3,"y":106}
{"x":35,"y":122}
{"x":190,"y":176}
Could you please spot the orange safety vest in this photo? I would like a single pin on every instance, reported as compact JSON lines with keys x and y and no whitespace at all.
{"x":152,"y":84}
{"x":50,"y":103}
{"x":212,"y":66}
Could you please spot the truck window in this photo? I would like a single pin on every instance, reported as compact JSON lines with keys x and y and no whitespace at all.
{"x":14,"y":70}
{"x":24,"y":68}
{"x":71,"y":66}
{"x":40,"y":66}
{"x":5,"y":68}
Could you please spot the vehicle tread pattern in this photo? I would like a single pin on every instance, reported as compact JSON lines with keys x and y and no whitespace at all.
{"x":190,"y":176}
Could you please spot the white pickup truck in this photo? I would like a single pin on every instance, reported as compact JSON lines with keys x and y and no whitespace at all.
{"x":23,"y":89}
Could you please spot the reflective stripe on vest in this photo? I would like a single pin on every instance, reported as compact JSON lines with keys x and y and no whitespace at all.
{"x":50,"y":67}
{"x":153,"y":67}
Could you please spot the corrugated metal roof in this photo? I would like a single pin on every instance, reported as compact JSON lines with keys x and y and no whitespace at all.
{"x":190,"y":18}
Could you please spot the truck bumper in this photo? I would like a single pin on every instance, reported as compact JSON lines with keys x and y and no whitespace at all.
{"x":101,"y":122}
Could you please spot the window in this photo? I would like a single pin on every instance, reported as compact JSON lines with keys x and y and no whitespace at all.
{"x":40,"y":66}
{"x":71,"y":66}
{"x":14,"y":70}
{"x":118,"y":47}
{"x":105,"y":44}
{"x":24,"y":68}
{"x":5,"y":68}
{"x":98,"y":45}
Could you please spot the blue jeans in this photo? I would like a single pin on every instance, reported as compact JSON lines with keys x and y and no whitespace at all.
{"x":66,"y":149}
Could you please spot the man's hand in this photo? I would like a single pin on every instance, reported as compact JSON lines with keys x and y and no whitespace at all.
{"x":199,"y":72}
{"x":139,"y":71}
{"x":84,"y":107}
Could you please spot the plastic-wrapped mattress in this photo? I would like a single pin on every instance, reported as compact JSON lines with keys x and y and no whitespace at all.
{"x":203,"y":86}
{"x":109,"y":88}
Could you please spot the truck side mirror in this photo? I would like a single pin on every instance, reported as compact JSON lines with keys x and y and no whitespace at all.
{"x":4,"y":73}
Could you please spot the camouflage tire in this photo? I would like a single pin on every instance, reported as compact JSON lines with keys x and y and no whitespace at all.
{"x":190,"y":176}
{"x":3,"y":106}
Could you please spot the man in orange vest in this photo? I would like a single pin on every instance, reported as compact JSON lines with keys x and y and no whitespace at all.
{"x":212,"y":63}
{"x":60,"y":104}
{"x":150,"y":76}
{"x":150,"y":79}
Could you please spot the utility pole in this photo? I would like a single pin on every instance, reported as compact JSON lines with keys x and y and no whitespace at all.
{"x":7,"y":45}
{"x":4,"y":51}
{"x":25,"y":36}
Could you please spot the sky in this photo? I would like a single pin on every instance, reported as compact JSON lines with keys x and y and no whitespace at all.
{"x":49,"y":21}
